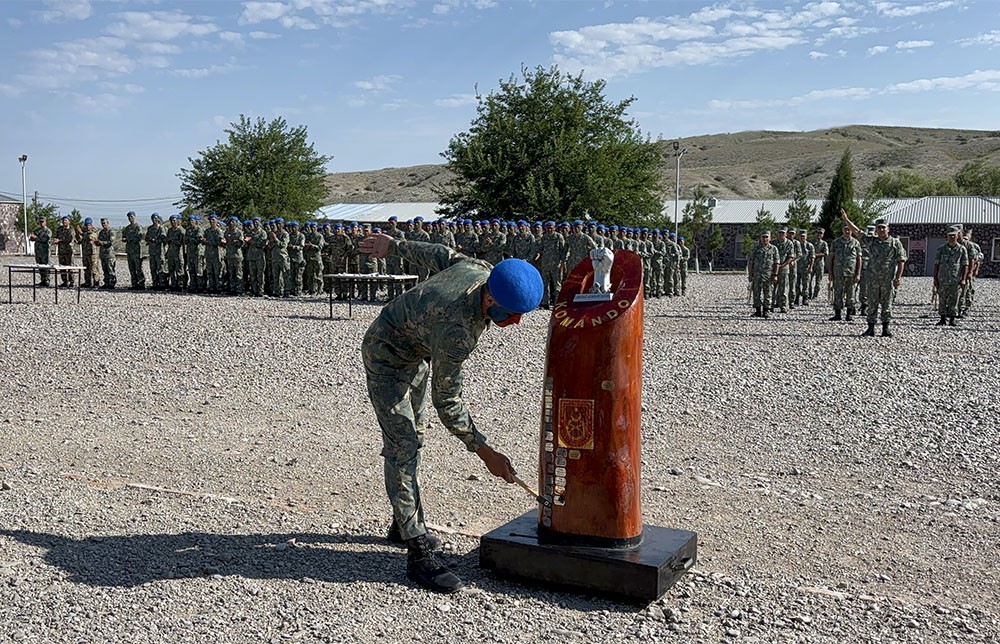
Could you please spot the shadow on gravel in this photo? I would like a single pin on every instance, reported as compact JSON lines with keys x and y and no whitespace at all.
{"x":132,"y":560}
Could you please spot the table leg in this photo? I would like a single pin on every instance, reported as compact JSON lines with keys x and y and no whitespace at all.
{"x":33,"y":285}
{"x":10,"y":285}
{"x":350,"y":299}
{"x":331,"y":298}
{"x":79,"y":278}
{"x":55,"y":285}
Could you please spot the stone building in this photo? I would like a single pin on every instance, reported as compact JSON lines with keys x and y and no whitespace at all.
{"x":11,"y":235}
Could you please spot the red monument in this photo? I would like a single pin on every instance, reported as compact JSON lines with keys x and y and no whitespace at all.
{"x":587,"y":532}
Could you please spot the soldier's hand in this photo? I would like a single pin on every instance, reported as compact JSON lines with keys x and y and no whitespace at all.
{"x":498,"y":464}
{"x":375,"y":245}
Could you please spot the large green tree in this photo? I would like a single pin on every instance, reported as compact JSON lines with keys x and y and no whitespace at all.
{"x":799,"y":213}
{"x":266,"y":166}
{"x":551,"y":146}
{"x":840,"y":195}
{"x":978,"y":178}
{"x":907,"y":183}
{"x":763,"y":223}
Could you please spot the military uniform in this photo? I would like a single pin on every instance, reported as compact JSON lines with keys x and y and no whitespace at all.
{"x":87,"y":238}
{"x":175,"y":254}
{"x":42,"y":237}
{"x":951,"y":266}
{"x":63,"y":239}
{"x":820,"y":251}
{"x":132,"y":236}
{"x":578,"y":247}
{"x":193,"y":254}
{"x":312,"y":279}
{"x":551,"y":252}
{"x":786,"y":255}
{"x":296,"y":260}
{"x":762,"y":270}
{"x":845,"y":253}
{"x":156,"y":236}
{"x":803,"y":269}
{"x":213,"y":237}
{"x":232,"y":239}
{"x":105,"y":242}
{"x":277,"y":246}
{"x":884,"y":258}
{"x":256,"y":246}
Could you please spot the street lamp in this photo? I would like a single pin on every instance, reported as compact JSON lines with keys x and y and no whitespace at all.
{"x":24,"y":201}
{"x":678,"y":153}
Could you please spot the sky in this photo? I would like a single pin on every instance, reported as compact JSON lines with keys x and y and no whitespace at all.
{"x":109,"y":99}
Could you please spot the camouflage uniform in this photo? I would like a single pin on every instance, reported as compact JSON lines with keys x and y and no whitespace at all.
{"x":802,"y":272}
{"x":394,"y":264}
{"x":793,"y":271}
{"x":656,"y":264}
{"x":434,"y":326}
{"x":786,"y":254}
{"x":156,"y":236}
{"x":341,"y":246}
{"x":42,"y":236}
{"x":213,"y":237}
{"x":965,"y":292}
{"x":844,"y":272}
{"x":883,"y":259}
{"x":951,"y":265}
{"x":87,"y":238}
{"x":105,"y":240}
{"x":233,"y":238}
{"x":761,"y":271}
{"x":277,"y":245}
{"x":132,"y":236}
{"x":671,"y":260}
{"x":193,"y":255}
{"x":296,"y":260}
{"x":523,"y":246}
{"x":256,"y":245}
{"x":551,"y":252}
{"x":312,"y":280}
{"x":820,"y":250}
{"x":578,"y":247}
{"x":63,"y":238}
{"x":175,"y":255}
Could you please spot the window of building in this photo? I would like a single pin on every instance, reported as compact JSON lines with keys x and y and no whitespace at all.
{"x":739,"y":249}
{"x":995,"y":256}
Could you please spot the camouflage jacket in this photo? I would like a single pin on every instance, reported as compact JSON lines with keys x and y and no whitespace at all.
{"x":64,"y":236}
{"x":844,"y":255}
{"x":234,"y":242}
{"x":132,"y":236}
{"x":763,"y":261}
{"x":578,"y":247}
{"x":951,"y":262}
{"x":175,"y":241}
{"x":439,"y":321}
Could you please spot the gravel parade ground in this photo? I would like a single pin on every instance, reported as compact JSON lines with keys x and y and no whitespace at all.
{"x":181,"y":468}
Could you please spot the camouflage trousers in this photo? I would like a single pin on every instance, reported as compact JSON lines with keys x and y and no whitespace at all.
{"x":398,"y":394}
{"x":91,"y":270}
{"x":762,"y":291}
{"x":234,"y":274}
{"x":948,"y":294}
{"x":966,"y":295}
{"x":656,"y":278}
{"x":668,"y":278}
{"x":213,"y":272}
{"x":843,"y":292}
{"x":156,"y":275}
{"x":802,"y":285}
{"x":312,"y":277}
{"x":279,"y":267}
{"x":137,"y":279}
{"x":108,"y":268}
{"x":683,"y":278}
{"x":66,"y":277}
{"x":552,"y":279}
{"x":816,"y":280}
{"x":175,"y":271}
{"x":293,"y":278}
{"x":781,"y":289}
{"x":880,"y":296}
{"x":255,"y":275}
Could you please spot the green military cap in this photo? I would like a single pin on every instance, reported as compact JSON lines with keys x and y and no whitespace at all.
{"x":881,"y":222}
{"x":803,"y":231}
{"x":954,"y":230}
{"x":782,"y":230}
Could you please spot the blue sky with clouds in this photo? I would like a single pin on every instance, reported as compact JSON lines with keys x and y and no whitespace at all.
{"x":110,"y":98}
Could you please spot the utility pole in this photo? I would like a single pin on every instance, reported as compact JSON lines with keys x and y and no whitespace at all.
{"x":24,"y":200}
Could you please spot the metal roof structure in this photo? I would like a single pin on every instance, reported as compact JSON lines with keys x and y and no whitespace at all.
{"x":923,"y":210}
{"x":4,"y":198}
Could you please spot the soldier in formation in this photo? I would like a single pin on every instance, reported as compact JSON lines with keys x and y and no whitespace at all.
{"x":106,"y":251}
{"x":42,"y":237}
{"x":762,"y":273}
{"x":132,"y":235}
{"x":845,"y":273}
{"x":886,"y":260}
{"x":951,"y":273}
{"x":63,"y":239}
{"x":86,"y":237}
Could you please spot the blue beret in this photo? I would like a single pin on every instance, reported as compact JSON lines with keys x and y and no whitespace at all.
{"x":354,"y":223}
{"x":233,"y":218}
{"x":213,"y":216}
{"x":601,"y":227}
{"x":279,"y":220}
{"x":672,"y":235}
{"x":337,"y":227}
{"x":516,"y":285}
{"x":681,"y":238}
{"x":247,"y":223}
{"x":394,"y":218}
{"x":577,"y":222}
{"x":88,"y":221}
{"x":173,"y":217}
{"x":613,"y":227}
{"x":409,"y":221}
{"x":130,"y":213}
{"x":550,"y":224}
{"x":194,"y":218}
{"x":256,"y":219}
{"x":155,"y":215}
{"x":418,"y":218}
{"x":293,"y":224}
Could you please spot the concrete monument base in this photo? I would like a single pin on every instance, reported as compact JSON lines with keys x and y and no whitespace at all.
{"x":640,"y":573}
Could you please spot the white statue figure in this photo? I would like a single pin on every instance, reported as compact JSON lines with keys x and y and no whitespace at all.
{"x":602,"y":259}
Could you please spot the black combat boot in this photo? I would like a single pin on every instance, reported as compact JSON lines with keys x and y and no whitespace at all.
{"x":951,"y":321}
{"x":849,"y":316}
{"x":864,"y":307}
{"x":941,"y":322}
{"x":836,"y":315}
{"x":870,"y":332}
{"x":885,"y":330}
{"x":397,"y":539}
{"x":763,"y":313}
{"x":424,"y":568}
{"x":756,"y":313}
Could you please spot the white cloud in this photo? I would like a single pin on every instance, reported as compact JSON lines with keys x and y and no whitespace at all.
{"x":159,"y":26}
{"x":9,"y":90}
{"x":160,"y":48}
{"x":816,"y":55}
{"x":231,"y":36}
{"x":908,"y":9}
{"x":443,"y":7}
{"x":202,"y":72}
{"x":457,"y":100}
{"x":336,"y":13}
{"x":77,"y":61}
{"x":99,"y":104}
{"x":914,"y":44}
{"x":876,"y":50}
{"x":14,"y":22}
{"x":297,"y":22}
{"x":220,"y":121}
{"x":988,"y":80}
{"x":991,"y":39}
{"x":378,"y":84}
{"x":254,"y":12}
{"x":838,"y":93}
{"x":65,"y":11}
{"x":263,"y":35}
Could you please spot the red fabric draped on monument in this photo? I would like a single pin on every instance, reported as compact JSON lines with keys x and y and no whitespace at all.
{"x":589,"y":461}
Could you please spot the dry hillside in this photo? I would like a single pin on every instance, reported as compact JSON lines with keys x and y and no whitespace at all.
{"x":742,"y":165}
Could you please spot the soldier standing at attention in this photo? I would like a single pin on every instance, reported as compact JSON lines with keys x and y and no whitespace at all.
{"x":155,"y":238}
{"x":175,"y":253}
{"x":804,"y":268}
{"x":786,"y":255}
{"x":951,"y":273}
{"x":551,"y":251}
{"x":63,"y":239}
{"x":312,"y":280}
{"x":671,"y":264}
{"x":256,"y":245}
{"x":793,"y":267}
{"x":865,"y":240}
{"x":683,"y":264}
{"x":966,"y":292}
{"x":232,"y":240}
{"x":820,"y":251}
{"x":886,"y":260}
{"x":212,"y":239}
{"x":277,"y":245}
{"x":341,"y":245}
{"x":434,"y":327}
{"x":87,"y":238}
{"x":105,"y":240}
{"x":41,"y":235}
{"x":578,"y":246}
{"x":845,"y":272}
{"x":394,"y":265}
{"x":132,"y":236}
{"x":522,"y":244}
{"x":194,"y":253}
{"x":296,"y":259}
{"x":762,"y":272}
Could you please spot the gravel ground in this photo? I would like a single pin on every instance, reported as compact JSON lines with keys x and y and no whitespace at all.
{"x":190,"y":469}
